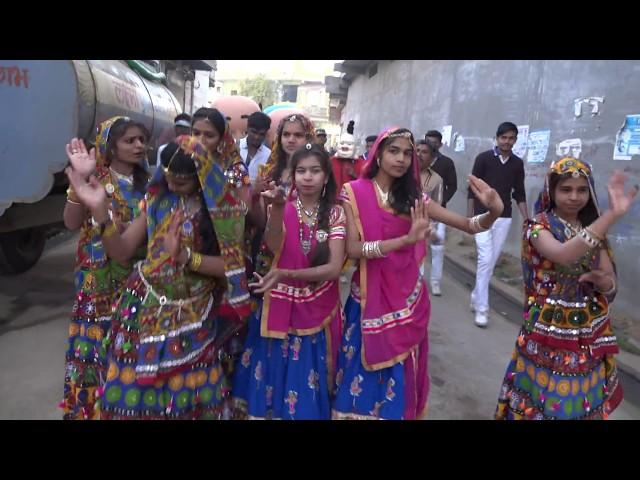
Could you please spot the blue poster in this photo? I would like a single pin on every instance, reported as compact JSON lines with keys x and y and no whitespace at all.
{"x":538,"y":146}
{"x":628,"y":139}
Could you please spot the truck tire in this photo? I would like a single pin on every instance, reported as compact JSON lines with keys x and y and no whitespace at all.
{"x":20,"y":250}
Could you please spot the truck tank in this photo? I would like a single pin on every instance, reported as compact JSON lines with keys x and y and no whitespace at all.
{"x":44,"y":103}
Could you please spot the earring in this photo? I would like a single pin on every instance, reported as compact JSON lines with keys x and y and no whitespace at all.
{"x":219,"y":149}
{"x":378,"y":161}
{"x":324,"y":189}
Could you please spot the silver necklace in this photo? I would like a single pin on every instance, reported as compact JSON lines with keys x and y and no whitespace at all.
{"x":187,"y":225}
{"x":570,"y":230}
{"x":383,"y":195}
{"x":122,"y":176}
{"x":305,"y":243}
{"x":310,"y":213}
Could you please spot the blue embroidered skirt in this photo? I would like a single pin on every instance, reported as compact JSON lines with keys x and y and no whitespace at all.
{"x":284,"y":379}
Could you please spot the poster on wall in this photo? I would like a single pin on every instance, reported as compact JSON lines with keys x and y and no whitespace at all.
{"x":628,"y":139}
{"x":538,"y":146}
{"x":571,"y":147}
{"x":520,"y":147}
{"x":446,"y":135}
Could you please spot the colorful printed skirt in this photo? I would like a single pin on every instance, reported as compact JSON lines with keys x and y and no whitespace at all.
{"x":364,"y":395}
{"x":198,"y":389}
{"x":197,"y":393}
{"x":545,"y":383}
{"x":86,"y":360}
{"x":284,"y":379}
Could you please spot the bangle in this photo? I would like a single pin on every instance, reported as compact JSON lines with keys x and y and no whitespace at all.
{"x":366,"y":249}
{"x":188,"y":255}
{"x":196,"y":261}
{"x":474,"y":224}
{"x":588,"y":238}
{"x":372,"y":249}
{"x":482,"y":217}
{"x":72,"y":197}
{"x":612,"y":290}
{"x":376,"y":248}
{"x":593,"y":235}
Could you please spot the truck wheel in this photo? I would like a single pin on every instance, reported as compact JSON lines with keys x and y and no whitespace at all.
{"x":20,"y":250}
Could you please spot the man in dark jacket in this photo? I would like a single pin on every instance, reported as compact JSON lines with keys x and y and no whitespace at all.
{"x":503,"y":171}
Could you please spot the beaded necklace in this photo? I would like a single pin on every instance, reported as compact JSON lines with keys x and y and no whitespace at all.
{"x":305,"y":243}
{"x":570,"y":230}
{"x":187,"y":225}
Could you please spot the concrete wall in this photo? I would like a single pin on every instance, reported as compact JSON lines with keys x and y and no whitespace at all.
{"x":475,"y":96}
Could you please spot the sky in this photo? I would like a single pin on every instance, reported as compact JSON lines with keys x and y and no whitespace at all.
{"x":309,"y":69}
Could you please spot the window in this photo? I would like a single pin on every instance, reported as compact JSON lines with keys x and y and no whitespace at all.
{"x":290,"y":93}
{"x":373,"y":69}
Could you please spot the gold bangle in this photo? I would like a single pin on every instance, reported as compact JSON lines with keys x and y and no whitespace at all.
{"x":196,"y":261}
{"x":72,"y":197}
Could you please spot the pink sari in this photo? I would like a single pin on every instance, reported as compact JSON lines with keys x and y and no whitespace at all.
{"x":394,"y":298}
{"x":296,"y":307}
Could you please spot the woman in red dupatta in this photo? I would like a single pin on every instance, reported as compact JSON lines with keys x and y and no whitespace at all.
{"x":382,"y":366}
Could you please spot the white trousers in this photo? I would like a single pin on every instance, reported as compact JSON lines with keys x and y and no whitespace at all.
{"x":437,"y":252}
{"x":489,"y":245}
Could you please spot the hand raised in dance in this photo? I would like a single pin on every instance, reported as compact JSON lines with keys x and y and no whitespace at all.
{"x":420,"y":224}
{"x":619,"y":201}
{"x":275,"y":194}
{"x":82,"y":161}
{"x":486,"y":195}
{"x":92,"y":193}
{"x":261,"y":184}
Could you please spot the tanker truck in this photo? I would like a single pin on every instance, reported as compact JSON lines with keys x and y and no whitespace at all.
{"x":43,"y":104}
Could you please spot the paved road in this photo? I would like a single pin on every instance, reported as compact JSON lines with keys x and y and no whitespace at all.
{"x":466,"y":363}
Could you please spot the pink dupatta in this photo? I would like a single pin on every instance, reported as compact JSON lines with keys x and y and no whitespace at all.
{"x":294,"y":306}
{"x":394,"y":298}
